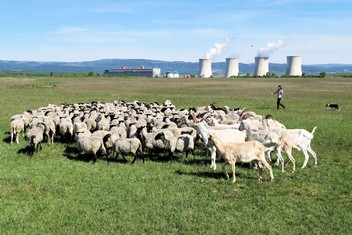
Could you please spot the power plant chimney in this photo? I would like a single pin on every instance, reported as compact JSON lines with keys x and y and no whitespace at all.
{"x":261,"y":66}
{"x":231,"y":67}
{"x":205,"y":68}
{"x":294,"y":66}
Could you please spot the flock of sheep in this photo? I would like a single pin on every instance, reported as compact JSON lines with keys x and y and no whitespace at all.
{"x":139,"y":129}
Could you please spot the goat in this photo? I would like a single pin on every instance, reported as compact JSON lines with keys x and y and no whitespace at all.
{"x":227,"y":136}
{"x":241,"y":152}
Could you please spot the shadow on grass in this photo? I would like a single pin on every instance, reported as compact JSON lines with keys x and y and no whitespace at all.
{"x":204,"y":174}
{"x":8,"y":138}
{"x":219,"y":174}
{"x":28,"y":150}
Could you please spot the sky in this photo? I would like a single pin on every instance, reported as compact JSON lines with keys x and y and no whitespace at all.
{"x":176,"y":30}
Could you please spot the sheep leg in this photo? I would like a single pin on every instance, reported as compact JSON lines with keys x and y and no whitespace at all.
{"x":124,"y":158}
{"x":11,"y":137}
{"x":134,"y":159}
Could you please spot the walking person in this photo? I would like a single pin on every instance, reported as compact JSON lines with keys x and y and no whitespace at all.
{"x":280,"y":93}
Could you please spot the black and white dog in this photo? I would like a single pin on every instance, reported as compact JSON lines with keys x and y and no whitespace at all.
{"x":333,"y":106}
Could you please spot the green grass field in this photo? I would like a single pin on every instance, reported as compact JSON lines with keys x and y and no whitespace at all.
{"x":53,"y":192}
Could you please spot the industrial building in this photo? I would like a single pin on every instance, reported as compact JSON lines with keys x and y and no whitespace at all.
{"x":172,"y":74}
{"x":140,"y":72}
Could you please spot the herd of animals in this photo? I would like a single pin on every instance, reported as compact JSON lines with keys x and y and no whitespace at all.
{"x":100,"y":129}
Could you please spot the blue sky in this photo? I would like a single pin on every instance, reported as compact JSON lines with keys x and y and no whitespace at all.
{"x":181,"y":30}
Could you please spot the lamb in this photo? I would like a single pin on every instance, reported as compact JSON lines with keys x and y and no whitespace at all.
{"x":17,"y":126}
{"x":241,"y":152}
{"x":35,"y":136}
{"x":127,"y":146}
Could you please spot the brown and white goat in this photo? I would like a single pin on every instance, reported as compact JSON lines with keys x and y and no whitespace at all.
{"x":241,"y":152}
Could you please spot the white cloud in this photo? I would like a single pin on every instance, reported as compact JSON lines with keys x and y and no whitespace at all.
{"x":71,"y":30}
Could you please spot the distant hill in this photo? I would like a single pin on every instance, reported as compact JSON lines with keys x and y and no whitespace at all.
{"x":192,"y":68}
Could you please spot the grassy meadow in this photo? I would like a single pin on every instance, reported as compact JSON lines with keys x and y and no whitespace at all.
{"x":54,"y":192}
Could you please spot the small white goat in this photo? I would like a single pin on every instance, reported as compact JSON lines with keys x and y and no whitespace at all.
{"x":241,"y":152}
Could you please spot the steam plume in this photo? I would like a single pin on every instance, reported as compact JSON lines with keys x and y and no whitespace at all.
{"x":217,"y":48}
{"x":270,"y":48}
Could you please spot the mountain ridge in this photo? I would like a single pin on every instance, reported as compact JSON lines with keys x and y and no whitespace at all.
{"x":182,"y":67}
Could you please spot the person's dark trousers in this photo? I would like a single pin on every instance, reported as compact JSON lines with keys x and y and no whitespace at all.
{"x":278,"y":103}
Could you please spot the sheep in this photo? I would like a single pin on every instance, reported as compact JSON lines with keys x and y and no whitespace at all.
{"x":127,"y":146}
{"x":185,"y":143}
{"x":66,"y":129}
{"x":241,"y":152}
{"x":17,"y":126}
{"x":182,"y":143}
{"x":35,"y":137}
{"x":91,"y":145}
{"x":50,"y":129}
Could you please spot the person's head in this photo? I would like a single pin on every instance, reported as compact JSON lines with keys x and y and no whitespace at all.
{"x":279,"y":87}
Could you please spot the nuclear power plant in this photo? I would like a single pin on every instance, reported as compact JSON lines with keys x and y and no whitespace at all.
{"x":294,"y":66}
{"x":261,"y":67}
{"x":232,"y":67}
{"x":205,"y":68}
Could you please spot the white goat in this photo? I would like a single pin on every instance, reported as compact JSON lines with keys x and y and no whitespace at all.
{"x":302,"y":139}
{"x":227,"y":136}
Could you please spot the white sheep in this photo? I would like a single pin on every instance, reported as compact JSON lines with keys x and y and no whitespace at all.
{"x":35,"y":137}
{"x":241,"y":152}
{"x":50,"y":129}
{"x":91,"y":145}
{"x":17,"y":126}
{"x":127,"y":146}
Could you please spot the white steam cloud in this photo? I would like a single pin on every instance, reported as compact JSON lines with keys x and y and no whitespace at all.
{"x":270,"y":48}
{"x":217,"y":48}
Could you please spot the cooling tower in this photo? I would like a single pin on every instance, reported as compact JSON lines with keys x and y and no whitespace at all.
{"x":231,"y":67}
{"x":205,"y":68}
{"x":261,"y":66}
{"x":294,"y":66}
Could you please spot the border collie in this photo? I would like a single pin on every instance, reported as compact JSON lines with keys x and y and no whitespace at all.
{"x":333,"y":106}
